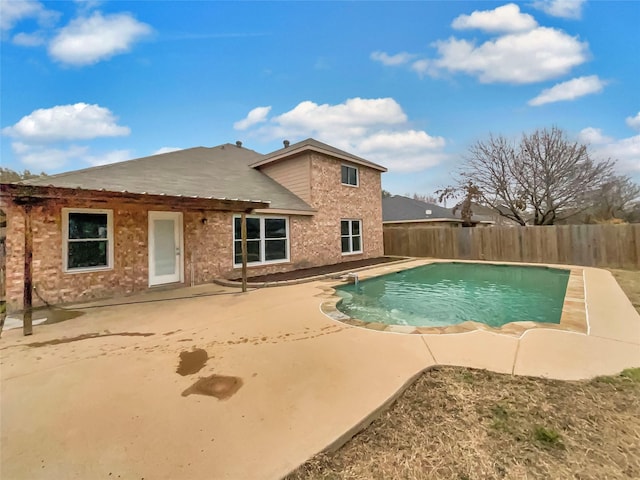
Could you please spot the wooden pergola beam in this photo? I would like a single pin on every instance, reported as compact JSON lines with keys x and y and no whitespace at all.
{"x":23,"y":194}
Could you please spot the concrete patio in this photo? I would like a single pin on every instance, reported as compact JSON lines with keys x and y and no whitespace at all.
{"x":98,"y":396}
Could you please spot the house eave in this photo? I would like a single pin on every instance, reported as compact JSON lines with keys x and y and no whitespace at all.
{"x":284,"y":211}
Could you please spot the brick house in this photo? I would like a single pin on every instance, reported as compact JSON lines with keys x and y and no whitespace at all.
{"x":174,"y":219}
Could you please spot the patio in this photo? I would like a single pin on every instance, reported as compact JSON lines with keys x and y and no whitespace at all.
{"x":98,"y":395}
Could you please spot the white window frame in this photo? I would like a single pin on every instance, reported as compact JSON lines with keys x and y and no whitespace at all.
{"x":350,"y":236}
{"x":66,"y":240}
{"x":357,"y":184}
{"x":262,"y":240}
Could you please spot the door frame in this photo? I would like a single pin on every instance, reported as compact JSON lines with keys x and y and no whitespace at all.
{"x":177,"y":217}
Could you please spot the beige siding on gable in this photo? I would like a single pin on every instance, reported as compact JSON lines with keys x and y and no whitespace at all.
{"x":294,"y":174}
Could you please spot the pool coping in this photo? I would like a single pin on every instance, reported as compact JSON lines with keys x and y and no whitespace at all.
{"x":574,"y":316}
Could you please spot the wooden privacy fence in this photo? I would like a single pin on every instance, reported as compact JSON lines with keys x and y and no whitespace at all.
{"x":616,"y":246}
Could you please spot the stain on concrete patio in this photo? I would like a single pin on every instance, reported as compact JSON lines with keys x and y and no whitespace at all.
{"x":192,"y":361}
{"x":219,"y":386}
{"x":86,"y":336}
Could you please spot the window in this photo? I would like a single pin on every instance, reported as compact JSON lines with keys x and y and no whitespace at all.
{"x":267,"y":240}
{"x":351,"y":232}
{"x":88,"y":239}
{"x":349,"y":175}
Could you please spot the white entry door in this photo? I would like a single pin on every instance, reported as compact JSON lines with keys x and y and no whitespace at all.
{"x":165,"y":248}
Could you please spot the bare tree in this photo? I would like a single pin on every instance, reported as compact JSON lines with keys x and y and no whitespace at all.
{"x":470,"y":193}
{"x":422,"y":197}
{"x":7,"y":175}
{"x":617,"y":199}
{"x":540,"y":180}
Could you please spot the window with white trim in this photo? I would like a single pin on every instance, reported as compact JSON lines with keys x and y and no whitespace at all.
{"x":267,"y":240}
{"x":349,"y":175}
{"x":351,"y":236}
{"x":87,"y":239}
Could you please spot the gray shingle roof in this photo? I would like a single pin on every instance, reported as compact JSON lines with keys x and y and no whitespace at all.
{"x":217,"y":172}
{"x":398,"y":208}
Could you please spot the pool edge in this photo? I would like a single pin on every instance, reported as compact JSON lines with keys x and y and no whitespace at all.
{"x":574,"y":317}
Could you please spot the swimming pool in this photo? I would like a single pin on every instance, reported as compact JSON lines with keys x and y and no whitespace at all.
{"x":443,"y":294}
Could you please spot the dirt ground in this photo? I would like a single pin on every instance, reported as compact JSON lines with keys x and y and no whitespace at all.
{"x":460,"y":423}
{"x":323,"y":270}
{"x":629,"y":280}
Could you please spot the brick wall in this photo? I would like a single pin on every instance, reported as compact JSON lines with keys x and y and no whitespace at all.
{"x":208,"y":249}
{"x":335,"y":202}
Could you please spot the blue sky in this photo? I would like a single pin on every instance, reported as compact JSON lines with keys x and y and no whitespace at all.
{"x":408,"y":85}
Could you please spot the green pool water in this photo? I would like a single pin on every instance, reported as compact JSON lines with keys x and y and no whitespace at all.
{"x":443,"y":294}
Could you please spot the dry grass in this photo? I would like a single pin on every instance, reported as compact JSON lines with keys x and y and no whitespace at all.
{"x":629,"y":280}
{"x":457,"y":423}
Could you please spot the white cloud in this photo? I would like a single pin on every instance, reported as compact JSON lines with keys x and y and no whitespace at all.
{"x":376,"y":129}
{"x":41,"y":138}
{"x":14,"y":11}
{"x":392,"y":60}
{"x":520,"y":51}
{"x":506,"y":18}
{"x":28,"y":39}
{"x":593,"y":136}
{"x":561,"y":8}
{"x":42,"y":158}
{"x":529,"y":57}
{"x":67,"y":122}
{"x":88,"y":40}
{"x":109,"y":157}
{"x":422,"y":67}
{"x":634,"y":122}
{"x":162,"y":150}
{"x":402,"y":151}
{"x":255,"y":116}
{"x":355,"y":112}
{"x":45,"y":158}
{"x":626,"y":150}
{"x":569,"y":90}
{"x":85,"y":5}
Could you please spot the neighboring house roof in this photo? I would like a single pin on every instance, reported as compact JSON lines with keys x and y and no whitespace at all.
{"x":222,"y":172}
{"x":315,"y":145}
{"x":398,"y":208}
{"x":483,"y":212}
{"x":404,"y":209}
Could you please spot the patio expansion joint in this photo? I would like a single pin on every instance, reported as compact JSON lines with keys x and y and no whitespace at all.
{"x":626,"y":342}
{"x":424,"y":339}
{"x":515,"y":355}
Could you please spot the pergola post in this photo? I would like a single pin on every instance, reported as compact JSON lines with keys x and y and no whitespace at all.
{"x":243,"y":230}
{"x":28,"y":272}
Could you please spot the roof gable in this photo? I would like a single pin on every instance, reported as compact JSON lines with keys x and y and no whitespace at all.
{"x":311,"y":144}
